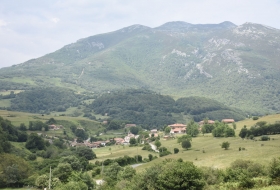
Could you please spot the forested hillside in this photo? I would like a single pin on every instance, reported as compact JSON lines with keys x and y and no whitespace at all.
{"x":45,"y":100}
{"x":151,"y":109}
{"x":235,"y":65}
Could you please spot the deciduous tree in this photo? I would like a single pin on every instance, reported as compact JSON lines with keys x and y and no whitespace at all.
{"x":186,"y":144}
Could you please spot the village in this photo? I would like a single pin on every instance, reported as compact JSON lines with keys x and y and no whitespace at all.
{"x":175,"y":129}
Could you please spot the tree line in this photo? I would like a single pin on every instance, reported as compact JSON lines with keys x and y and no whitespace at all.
{"x":259,"y":129}
{"x":44,"y":100}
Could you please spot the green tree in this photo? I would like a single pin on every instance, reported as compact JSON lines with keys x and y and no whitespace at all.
{"x":111,"y":173}
{"x":51,"y":121}
{"x":169,"y":174}
{"x":225,"y":145}
{"x":132,"y":141}
{"x":73,"y":161}
{"x":222,"y":130}
{"x":73,"y":185}
{"x":35,"y":142}
{"x":127,"y":173}
{"x":157,"y":143}
{"x":184,"y":137}
{"x":234,"y":125}
{"x":167,"y":130}
{"x":192,"y":129}
{"x":85,"y":152}
{"x":13,"y":170}
{"x":186,"y":144}
{"x":83,"y":177}
{"x":150,"y":157}
{"x":180,"y":176}
{"x":134,"y":130}
{"x":274,"y":168}
{"x":63,"y":172}
{"x":243,"y":132}
{"x":22,"y":127}
{"x":176,"y":150}
{"x":81,"y":133}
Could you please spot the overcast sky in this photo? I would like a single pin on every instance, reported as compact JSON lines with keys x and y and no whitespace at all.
{"x":32,"y":28}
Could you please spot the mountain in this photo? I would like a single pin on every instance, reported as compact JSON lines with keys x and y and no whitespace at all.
{"x":236,"y":65}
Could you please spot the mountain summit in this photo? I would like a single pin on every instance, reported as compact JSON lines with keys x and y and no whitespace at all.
{"x":237,"y":65}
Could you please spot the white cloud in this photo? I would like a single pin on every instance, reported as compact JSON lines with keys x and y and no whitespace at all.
{"x":55,"y":20}
{"x":2,"y":23}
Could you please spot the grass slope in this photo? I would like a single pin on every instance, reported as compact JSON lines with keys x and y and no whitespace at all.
{"x":258,"y":151}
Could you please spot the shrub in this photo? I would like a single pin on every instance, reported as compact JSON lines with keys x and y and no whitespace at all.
{"x":186,"y":144}
{"x":164,"y":153}
{"x":265,"y":138}
{"x":162,"y":149}
{"x":225,"y":145}
{"x":32,"y":157}
{"x":176,"y":150}
{"x":150,"y":157}
{"x":255,"y":118}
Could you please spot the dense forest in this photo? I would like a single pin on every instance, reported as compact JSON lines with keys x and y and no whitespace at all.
{"x":44,"y":100}
{"x":154,"y":110}
{"x":139,"y":106}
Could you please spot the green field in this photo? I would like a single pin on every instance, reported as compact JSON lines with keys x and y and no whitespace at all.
{"x":21,"y":117}
{"x":214,"y":156}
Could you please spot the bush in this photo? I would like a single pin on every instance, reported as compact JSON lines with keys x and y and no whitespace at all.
{"x":176,"y":150}
{"x":164,"y":153}
{"x":162,"y":149}
{"x":265,"y":138}
{"x":32,"y":157}
{"x":255,"y":118}
{"x":186,"y":144}
{"x":150,"y":157}
{"x":225,"y":145}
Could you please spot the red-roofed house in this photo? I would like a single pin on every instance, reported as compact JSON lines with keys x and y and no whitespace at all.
{"x":119,"y":140}
{"x":178,"y":130}
{"x":130,"y":125}
{"x":228,"y":120}
{"x":209,"y":122}
{"x":177,"y":125}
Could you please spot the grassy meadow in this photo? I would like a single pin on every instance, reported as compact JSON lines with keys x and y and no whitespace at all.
{"x":206,"y":150}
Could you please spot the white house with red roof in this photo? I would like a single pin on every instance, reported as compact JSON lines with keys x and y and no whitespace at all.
{"x":177,"y":128}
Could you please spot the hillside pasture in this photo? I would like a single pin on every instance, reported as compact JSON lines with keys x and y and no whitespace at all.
{"x":206,"y":150}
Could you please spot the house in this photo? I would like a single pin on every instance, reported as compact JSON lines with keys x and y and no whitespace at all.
{"x":55,"y":127}
{"x":128,"y":137}
{"x":177,"y":128}
{"x":209,"y":122}
{"x":154,"y":131}
{"x":228,"y":120}
{"x":130,"y":125}
{"x":119,"y":140}
{"x":177,"y":125}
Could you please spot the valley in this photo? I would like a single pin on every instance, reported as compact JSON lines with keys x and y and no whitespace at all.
{"x":93,"y":108}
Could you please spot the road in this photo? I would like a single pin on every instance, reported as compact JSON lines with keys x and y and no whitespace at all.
{"x":154,"y":147}
{"x":136,"y":165}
